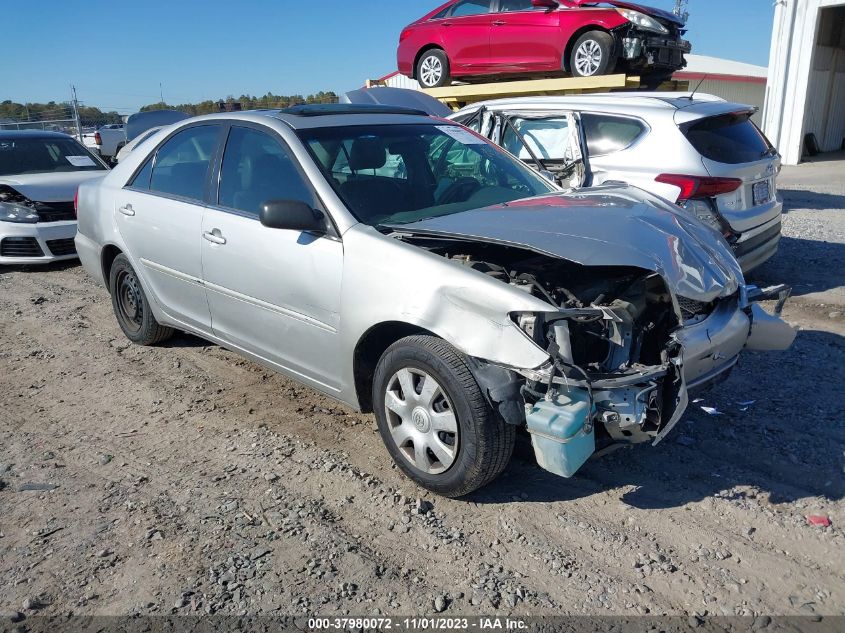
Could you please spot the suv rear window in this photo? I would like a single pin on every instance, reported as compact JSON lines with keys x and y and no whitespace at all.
{"x":728,"y":138}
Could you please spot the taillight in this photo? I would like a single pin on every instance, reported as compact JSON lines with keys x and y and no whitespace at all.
{"x":697,"y":187}
{"x":97,"y":138}
{"x":76,"y":203}
{"x":406,"y":33}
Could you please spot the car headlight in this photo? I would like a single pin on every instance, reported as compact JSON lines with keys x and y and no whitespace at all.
{"x":10,"y":212}
{"x":643,"y":21}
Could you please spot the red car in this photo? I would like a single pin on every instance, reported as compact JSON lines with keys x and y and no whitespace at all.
{"x":474,"y":38}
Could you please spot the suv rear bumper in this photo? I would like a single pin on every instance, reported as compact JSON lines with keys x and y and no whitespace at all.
{"x":757,"y":246}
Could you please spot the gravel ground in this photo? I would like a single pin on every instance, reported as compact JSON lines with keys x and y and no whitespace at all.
{"x":185,"y":480}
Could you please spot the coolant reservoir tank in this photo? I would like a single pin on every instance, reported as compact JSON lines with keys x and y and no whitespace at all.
{"x":561,"y":445}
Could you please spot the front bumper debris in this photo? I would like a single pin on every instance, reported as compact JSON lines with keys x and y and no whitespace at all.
{"x":769,"y":333}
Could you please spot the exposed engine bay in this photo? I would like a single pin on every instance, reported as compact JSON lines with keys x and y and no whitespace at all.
{"x":608,"y":332}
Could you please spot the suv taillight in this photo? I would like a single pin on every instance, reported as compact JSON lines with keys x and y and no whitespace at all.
{"x":698,"y":187}
{"x":97,"y":138}
{"x":76,"y":203}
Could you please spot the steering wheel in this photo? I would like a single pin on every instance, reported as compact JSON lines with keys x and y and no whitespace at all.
{"x":459,"y":191}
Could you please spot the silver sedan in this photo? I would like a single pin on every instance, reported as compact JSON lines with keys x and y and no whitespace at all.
{"x":406,"y":266}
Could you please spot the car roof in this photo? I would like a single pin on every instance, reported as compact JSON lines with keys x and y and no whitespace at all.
{"x":622,"y":102}
{"x":7,"y":135}
{"x":330,"y":115}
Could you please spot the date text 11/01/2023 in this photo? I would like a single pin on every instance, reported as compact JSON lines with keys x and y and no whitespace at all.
{"x":418,"y":624}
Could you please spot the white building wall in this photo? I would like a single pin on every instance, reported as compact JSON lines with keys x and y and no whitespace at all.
{"x":793,"y":100}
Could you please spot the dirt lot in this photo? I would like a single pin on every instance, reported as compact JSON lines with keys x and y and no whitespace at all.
{"x":183,"y":479}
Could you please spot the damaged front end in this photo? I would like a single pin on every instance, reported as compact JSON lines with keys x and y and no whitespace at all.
{"x":638,"y":306}
{"x":615,"y":373}
{"x":615,"y":368}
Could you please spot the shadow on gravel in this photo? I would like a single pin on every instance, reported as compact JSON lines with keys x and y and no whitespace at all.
{"x":786,"y":446}
{"x":43,"y":268}
{"x":183,"y":339}
{"x":815,"y":201}
{"x":807,"y":265}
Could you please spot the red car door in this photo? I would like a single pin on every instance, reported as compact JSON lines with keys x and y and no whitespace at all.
{"x":525,"y":37}
{"x":466,"y":36}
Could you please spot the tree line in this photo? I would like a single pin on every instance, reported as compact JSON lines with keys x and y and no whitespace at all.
{"x":90,"y":116}
{"x":245,"y":102}
{"x":52,"y":111}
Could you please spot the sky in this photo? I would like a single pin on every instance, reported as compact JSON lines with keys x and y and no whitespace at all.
{"x":117,"y":53}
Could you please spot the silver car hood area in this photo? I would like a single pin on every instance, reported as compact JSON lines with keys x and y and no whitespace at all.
{"x":613,"y":226}
{"x":50,"y":187}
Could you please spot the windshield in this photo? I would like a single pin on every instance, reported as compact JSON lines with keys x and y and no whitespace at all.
{"x":44,"y":155}
{"x":399,"y":174}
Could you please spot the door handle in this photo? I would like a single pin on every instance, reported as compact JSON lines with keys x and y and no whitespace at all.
{"x":127,"y":210}
{"x":214,"y":237}
{"x":446,"y":24}
{"x":499,"y":23}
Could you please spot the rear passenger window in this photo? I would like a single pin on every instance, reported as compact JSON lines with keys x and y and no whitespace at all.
{"x":182,"y":163}
{"x":257,"y":169}
{"x":606,"y":134}
{"x":142,"y":178}
{"x":471,"y":7}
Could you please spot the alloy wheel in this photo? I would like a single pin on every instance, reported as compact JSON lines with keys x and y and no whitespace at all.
{"x":431,"y":71}
{"x":588,"y":58}
{"x":422,"y":421}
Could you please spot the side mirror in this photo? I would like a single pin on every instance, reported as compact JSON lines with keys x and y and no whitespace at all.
{"x":292,"y":215}
{"x":549,"y":5}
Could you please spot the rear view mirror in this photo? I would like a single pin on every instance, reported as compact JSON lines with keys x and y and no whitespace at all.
{"x":292,"y":215}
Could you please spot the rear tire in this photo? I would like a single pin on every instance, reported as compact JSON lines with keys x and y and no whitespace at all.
{"x":131,"y":306}
{"x":433,"y":69}
{"x":592,"y":55}
{"x":434,"y":419}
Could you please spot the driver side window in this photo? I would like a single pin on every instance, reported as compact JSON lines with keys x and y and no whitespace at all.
{"x":257,"y":169}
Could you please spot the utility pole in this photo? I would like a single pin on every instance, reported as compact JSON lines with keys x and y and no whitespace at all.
{"x":681,"y":10}
{"x":160,"y":93}
{"x":75,"y":105}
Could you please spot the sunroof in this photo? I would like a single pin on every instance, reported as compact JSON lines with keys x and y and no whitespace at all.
{"x":327,"y":109}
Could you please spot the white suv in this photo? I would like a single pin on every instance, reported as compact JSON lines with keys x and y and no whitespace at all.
{"x":694,"y":149}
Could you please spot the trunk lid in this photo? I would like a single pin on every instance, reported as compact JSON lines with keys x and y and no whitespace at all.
{"x":731,"y":146}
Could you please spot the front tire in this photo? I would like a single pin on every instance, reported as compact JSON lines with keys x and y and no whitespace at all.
{"x":131,"y":306}
{"x":433,"y":69}
{"x":593,"y":55}
{"x":434,"y":419}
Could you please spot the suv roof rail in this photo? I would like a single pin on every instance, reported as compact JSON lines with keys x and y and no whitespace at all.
{"x":329,"y":109}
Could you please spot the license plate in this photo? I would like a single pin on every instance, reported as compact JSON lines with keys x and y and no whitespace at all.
{"x":761,"y":192}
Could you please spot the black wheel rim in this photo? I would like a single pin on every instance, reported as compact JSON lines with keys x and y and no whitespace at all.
{"x":130,"y":301}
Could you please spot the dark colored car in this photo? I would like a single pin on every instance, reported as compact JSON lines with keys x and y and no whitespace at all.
{"x":476,"y":38}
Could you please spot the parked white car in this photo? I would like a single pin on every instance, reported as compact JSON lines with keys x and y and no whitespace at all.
{"x":107,"y":141}
{"x":698,"y":150}
{"x":135,"y":142}
{"x":39,"y":176}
